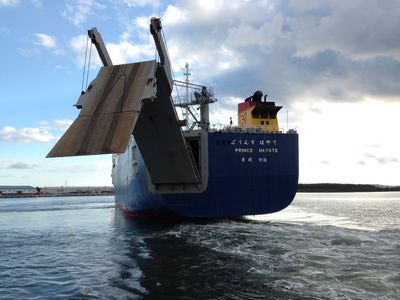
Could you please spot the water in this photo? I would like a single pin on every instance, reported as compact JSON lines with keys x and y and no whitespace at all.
{"x":324,"y":246}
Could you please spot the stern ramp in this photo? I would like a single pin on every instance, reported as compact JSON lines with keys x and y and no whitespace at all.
{"x":132,"y":99}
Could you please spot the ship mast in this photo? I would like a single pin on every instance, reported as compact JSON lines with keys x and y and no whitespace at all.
{"x":186,"y":111}
{"x":200,"y":99}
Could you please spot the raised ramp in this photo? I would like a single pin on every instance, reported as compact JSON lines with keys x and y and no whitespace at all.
{"x":133,"y":98}
{"x":161,"y":141}
{"x":110,"y":109}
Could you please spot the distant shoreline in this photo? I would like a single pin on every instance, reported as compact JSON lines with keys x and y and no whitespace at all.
{"x":344,"y":188}
{"x":27,"y":191}
{"x":36,"y":195}
{"x":302,"y":188}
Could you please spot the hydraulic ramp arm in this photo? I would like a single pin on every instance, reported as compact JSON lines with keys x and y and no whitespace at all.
{"x":97,"y":40}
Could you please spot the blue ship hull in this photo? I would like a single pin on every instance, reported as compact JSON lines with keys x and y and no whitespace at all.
{"x":248,"y":174}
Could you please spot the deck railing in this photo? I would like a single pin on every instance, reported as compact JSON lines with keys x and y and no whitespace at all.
{"x":252,"y":129}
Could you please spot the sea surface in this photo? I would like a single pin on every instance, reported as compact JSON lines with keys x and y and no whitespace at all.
{"x":324,"y":246}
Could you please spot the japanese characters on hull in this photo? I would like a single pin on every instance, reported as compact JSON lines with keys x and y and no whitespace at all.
{"x":255,"y":150}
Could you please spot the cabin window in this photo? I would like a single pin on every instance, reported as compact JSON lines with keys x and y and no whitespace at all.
{"x":264,"y":115}
{"x":262,"y":122}
{"x":255,"y":115}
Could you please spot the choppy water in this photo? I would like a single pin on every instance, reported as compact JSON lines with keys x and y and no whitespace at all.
{"x":324,"y":246}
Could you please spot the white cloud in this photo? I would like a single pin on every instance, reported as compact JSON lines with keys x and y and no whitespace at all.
{"x":78,"y":46}
{"x":37,"y":3}
{"x":26,"y":135}
{"x":46,"y":133}
{"x":134,"y":3}
{"x":221,"y":35}
{"x":143,"y":23}
{"x":229,"y":58}
{"x":78,"y":11}
{"x":9,"y":2}
{"x":125,"y":52}
{"x":49,"y":42}
{"x":42,"y":40}
{"x":120,"y":53}
{"x":62,"y":124}
{"x":46,"y":40}
{"x":174,"y":15}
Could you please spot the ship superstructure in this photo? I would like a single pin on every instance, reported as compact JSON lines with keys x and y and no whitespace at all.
{"x":163,"y":165}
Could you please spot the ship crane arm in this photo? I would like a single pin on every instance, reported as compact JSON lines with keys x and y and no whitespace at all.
{"x":97,"y":40}
{"x":155,"y":29}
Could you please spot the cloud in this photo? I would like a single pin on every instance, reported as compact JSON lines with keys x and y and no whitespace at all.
{"x":21,"y":166}
{"x":314,"y":50}
{"x":62,"y":124}
{"x":42,"y":40}
{"x":49,"y":42}
{"x":382,"y":160}
{"x":37,"y":3}
{"x":120,"y":53}
{"x":77,"y":11}
{"x":78,"y":46}
{"x":26,"y":135}
{"x":9,"y":2}
{"x":126,"y":52}
{"x":353,"y":28}
{"x":41,"y":134}
{"x":262,"y":45}
{"x":46,"y":40}
{"x":135,"y":3}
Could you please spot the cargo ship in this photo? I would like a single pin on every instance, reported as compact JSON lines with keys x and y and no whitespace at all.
{"x":165,"y":165}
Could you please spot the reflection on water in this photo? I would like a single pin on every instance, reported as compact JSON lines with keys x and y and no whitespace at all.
{"x":323,"y":246}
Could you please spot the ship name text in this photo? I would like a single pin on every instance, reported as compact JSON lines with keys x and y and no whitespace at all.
{"x":254,"y":150}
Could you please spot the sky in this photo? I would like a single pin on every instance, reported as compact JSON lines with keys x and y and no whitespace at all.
{"x":333,"y":65}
